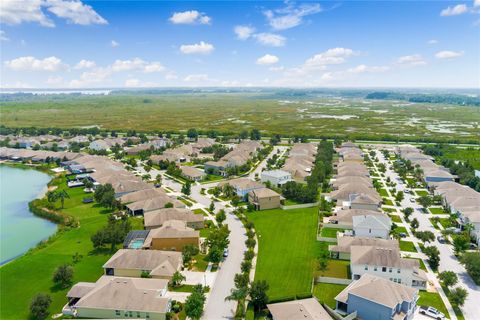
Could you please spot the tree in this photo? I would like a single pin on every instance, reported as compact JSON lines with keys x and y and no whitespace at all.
{"x":39,"y":306}
{"x":63,"y":275}
{"x":425,"y":236}
{"x":433,"y":256}
{"x":192,"y":134}
{"x":177,"y":279}
{"x":258,"y":294}
{"x":187,"y":188}
{"x":471,"y":260}
{"x":188,"y":252}
{"x":255,"y":134}
{"x":105,"y":196}
{"x":220,"y":216}
{"x":113,"y":233}
{"x":194,"y":303}
{"x":414,"y":223}
{"x":158,"y":180}
{"x":425,"y":201}
{"x":407,"y":212}
{"x":400,"y":196}
{"x":87,"y":183}
{"x":448,"y":278}
{"x":212,"y":206}
{"x":458,"y":296}
{"x":322,"y":261}
{"x":461,"y":243}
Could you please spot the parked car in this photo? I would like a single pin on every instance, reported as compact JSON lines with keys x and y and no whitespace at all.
{"x":473,"y":246}
{"x":441,"y":239}
{"x":225,"y":253}
{"x":402,"y":235}
{"x":407,"y":191}
{"x":454,"y":230}
{"x":431,"y":312}
{"x":412,"y":200}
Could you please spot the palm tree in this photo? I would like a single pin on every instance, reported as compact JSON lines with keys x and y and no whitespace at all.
{"x":61,"y":195}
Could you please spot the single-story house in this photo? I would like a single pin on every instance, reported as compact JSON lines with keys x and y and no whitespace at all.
{"x":192,"y":173}
{"x":133,"y":263}
{"x":243,"y":186}
{"x":373,"y":297}
{"x":119,"y":298}
{"x":159,"y":202}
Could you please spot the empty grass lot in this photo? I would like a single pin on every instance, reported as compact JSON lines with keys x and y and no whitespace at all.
{"x":407,"y":246}
{"x":395,"y":218}
{"x":287,"y":249}
{"x":326,"y":292}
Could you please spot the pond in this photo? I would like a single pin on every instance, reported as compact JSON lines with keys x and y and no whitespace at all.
{"x":20,"y":230}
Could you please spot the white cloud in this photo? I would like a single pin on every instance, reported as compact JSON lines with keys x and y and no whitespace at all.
{"x":368,"y":69}
{"x":98,"y":75}
{"x":331,"y":56}
{"x":85,"y":64}
{"x":32,"y":64}
{"x":200,"y":48}
{"x":3,"y":36}
{"x":189,"y":17}
{"x":114,"y":44}
{"x":16,"y":12}
{"x":432,"y":41}
{"x":267,"y":59}
{"x":136,"y":83}
{"x":270,"y":39}
{"x":448,"y":54}
{"x":137,"y":64}
{"x":290,"y":16}
{"x":411,"y":60}
{"x":244,"y":32}
{"x":454,"y":11}
{"x":75,"y":12}
{"x":196,"y":78}
{"x":476,"y":3}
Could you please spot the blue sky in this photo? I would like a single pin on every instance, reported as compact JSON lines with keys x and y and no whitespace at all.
{"x":95,"y":44}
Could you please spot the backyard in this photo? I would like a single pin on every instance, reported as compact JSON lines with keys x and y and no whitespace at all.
{"x":326,"y":292}
{"x":287,"y":250}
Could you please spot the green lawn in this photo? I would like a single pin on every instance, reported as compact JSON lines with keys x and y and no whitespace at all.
{"x":287,"y":249}
{"x":432,"y":299}
{"x":330,"y":232}
{"x":395,"y":218}
{"x":437,"y":211}
{"x":291,"y":202}
{"x":407,"y":246}
{"x":421,"y":193}
{"x":387,"y":202}
{"x":401,"y":229}
{"x":326,"y":292}
{"x":200,"y":211}
{"x":383,"y":192}
{"x":30,"y":274}
{"x":336,"y":269}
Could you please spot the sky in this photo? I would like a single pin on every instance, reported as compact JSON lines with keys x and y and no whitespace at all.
{"x":113,"y":44}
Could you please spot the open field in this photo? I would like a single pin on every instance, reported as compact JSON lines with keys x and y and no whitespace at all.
{"x":287,"y":250}
{"x":232,"y":112}
{"x":32,"y":273}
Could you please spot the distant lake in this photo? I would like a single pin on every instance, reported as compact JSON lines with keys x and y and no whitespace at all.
{"x":20,"y":230}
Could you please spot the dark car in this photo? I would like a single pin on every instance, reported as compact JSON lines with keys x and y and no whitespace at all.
{"x":87,"y":200}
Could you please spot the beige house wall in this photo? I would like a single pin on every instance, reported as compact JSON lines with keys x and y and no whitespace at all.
{"x":110,"y":314}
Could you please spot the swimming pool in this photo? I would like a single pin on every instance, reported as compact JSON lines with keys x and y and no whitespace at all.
{"x":136,"y":244}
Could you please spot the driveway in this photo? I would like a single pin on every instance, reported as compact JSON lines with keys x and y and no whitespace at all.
{"x":448,"y":261}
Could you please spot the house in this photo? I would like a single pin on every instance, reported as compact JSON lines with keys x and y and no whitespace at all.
{"x":133,"y":263}
{"x":373,"y":297}
{"x":192,"y":173}
{"x":344,"y":218}
{"x":119,"y":298}
{"x":105,"y":144}
{"x":276,"y":178}
{"x":308,"y":309}
{"x":159,"y":202}
{"x":264,"y":199}
{"x":342,"y":250}
{"x":142,"y":195}
{"x":374,"y":226}
{"x":386,"y":263}
{"x":364,"y":201}
{"x":156,"y":218}
{"x":172,"y":235}
{"x":239,"y":156}
{"x":243,"y":186}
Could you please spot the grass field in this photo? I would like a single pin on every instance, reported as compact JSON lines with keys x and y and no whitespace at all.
{"x":470,"y":154}
{"x":383,"y":192}
{"x":437,"y":211}
{"x":407,"y":246}
{"x":432,"y":299}
{"x":421,"y":193}
{"x":232,"y":112}
{"x":287,"y":249}
{"x":336,"y":269}
{"x":326,"y":292}
{"x":395,"y":218}
{"x":330,"y":232}
{"x":30,"y":274}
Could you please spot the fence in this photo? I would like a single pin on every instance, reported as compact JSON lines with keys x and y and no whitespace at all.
{"x":299,"y":206}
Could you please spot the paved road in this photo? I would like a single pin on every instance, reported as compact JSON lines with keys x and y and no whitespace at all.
{"x":448,"y":261}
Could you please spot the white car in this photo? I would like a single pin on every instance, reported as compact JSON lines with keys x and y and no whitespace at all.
{"x":412,"y":200}
{"x":432,"y":313}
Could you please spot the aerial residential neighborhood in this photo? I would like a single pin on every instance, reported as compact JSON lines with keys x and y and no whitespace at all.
{"x":240,"y":160}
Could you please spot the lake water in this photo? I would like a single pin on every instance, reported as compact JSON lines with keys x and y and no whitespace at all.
{"x":20,"y":230}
